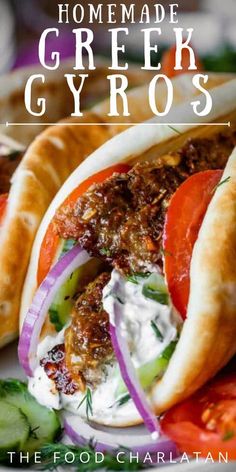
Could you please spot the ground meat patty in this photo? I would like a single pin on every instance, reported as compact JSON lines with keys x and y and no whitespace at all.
{"x":87,"y":340}
{"x":121,"y":219}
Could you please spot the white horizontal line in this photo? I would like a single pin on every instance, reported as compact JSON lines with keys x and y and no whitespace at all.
{"x":117,"y":124}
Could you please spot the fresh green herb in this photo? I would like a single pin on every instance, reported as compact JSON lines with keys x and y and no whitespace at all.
{"x":124,"y":399}
{"x":174,"y":129}
{"x":156,"y":330}
{"x":137,"y":277}
{"x":221,"y":183}
{"x":105,"y":252}
{"x":115,"y":296}
{"x":89,"y":403}
{"x":33,"y":432}
{"x":54,"y":456}
{"x":228,"y":435}
{"x":155,"y":289}
{"x":118,"y":298}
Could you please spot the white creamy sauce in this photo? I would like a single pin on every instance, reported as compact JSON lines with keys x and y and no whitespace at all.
{"x":44,"y":390}
{"x":103,"y":398}
{"x":137,"y":314}
{"x":40,"y":386}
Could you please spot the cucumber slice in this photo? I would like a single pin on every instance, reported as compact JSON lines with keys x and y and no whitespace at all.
{"x":62,"y":304}
{"x":61,"y":307}
{"x":148,"y":372}
{"x":154,"y":288}
{"x":43,"y":423}
{"x":14,"y":429}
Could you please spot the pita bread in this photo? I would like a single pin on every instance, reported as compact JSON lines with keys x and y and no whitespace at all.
{"x":47,"y":163}
{"x":208,"y":339}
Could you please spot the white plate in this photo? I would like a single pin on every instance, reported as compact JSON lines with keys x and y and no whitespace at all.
{"x":10,"y":368}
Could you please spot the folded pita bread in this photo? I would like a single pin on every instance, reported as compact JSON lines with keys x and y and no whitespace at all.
{"x":208,"y":339}
{"x":45,"y":166}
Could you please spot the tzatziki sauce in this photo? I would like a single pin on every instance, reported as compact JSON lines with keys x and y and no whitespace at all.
{"x":138,"y":315}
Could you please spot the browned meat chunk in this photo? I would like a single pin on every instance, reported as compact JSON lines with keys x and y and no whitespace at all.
{"x":55,"y":368}
{"x":87,"y":340}
{"x":121,"y":220}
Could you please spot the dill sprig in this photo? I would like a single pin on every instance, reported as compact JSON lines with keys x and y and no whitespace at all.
{"x":124,"y":399}
{"x":89,"y":403}
{"x":54,"y":455}
{"x":156,"y":330}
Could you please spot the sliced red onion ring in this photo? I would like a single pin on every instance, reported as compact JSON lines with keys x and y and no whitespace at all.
{"x":42,"y":300}
{"x":129,"y":375}
{"x":108,"y":439}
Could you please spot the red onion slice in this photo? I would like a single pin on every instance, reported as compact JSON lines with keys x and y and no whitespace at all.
{"x":42,"y":300}
{"x":108,"y":439}
{"x":129,"y":375}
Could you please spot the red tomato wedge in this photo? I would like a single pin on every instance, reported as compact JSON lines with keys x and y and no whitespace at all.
{"x":207,"y":421}
{"x":3,"y":204}
{"x":51,"y":239}
{"x":168,"y":62}
{"x":183,"y":221}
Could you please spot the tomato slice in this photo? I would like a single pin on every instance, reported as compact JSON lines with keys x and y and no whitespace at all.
{"x":3,"y":205}
{"x":168,"y":62}
{"x":183,"y":221}
{"x":207,"y":421}
{"x":51,"y":239}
